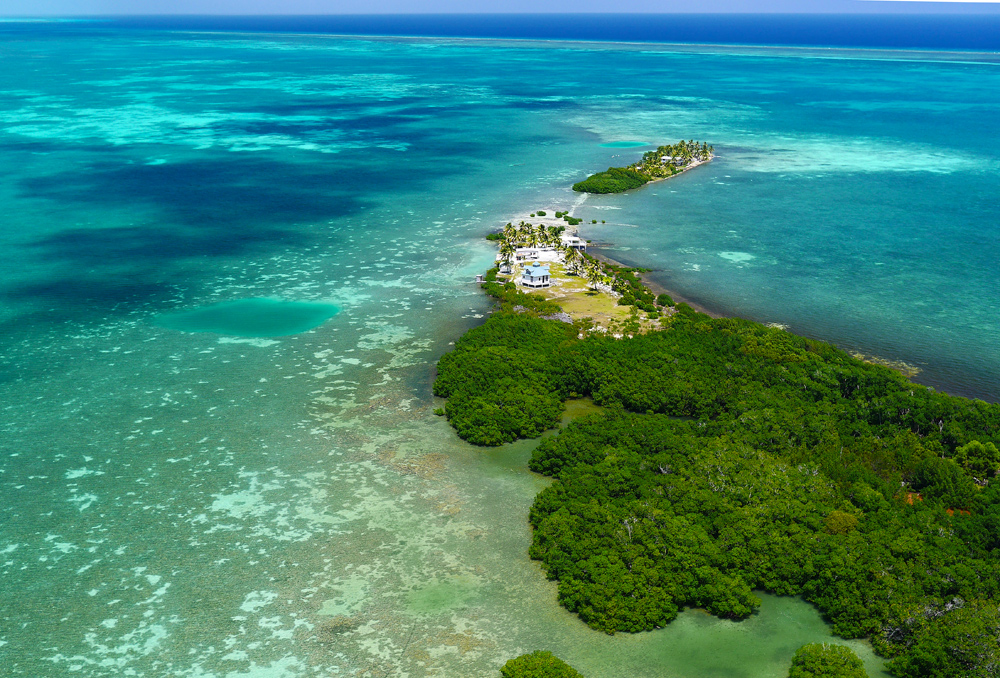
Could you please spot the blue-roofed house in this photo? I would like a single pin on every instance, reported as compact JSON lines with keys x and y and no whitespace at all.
{"x":536,"y":275}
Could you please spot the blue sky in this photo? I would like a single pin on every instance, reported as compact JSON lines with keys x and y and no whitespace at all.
{"x":97,"y":7}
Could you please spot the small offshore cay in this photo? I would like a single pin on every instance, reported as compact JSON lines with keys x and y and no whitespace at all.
{"x":663,"y":163}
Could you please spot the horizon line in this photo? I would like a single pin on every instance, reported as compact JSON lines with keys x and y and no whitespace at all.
{"x":947,"y":7}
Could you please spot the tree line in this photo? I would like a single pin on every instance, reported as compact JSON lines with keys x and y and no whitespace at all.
{"x":733,"y":457}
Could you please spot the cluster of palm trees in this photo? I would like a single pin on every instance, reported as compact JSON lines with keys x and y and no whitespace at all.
{"x":526,"y":235}
{"x":667,"y":160}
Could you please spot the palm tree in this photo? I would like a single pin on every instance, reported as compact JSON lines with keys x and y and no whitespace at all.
{"x":619,"y":286}
{"x":522,"y":233}
{"x":594,"y":275}
{"x":572,"y":258}
{"x":532,"y":237}
{"x":507,"y":251}
{"x":542,"y":235}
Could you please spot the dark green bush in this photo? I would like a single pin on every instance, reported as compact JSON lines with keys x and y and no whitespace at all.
{"x":820,"y":660}
{"x":538,"y":664}
{"x":497,"y":388}
{"x":957,"y":638}
{"x":614,"y":180}
{"x":945,"y":481}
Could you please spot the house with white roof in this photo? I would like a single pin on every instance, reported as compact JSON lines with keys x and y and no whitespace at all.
{"x":525,"y":253}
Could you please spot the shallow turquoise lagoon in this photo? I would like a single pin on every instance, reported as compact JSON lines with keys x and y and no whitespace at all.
{"x":248,"y":502}
{"x":623,"y":144}
{"x":251,"y":317}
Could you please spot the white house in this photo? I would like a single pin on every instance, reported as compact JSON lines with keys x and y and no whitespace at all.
{"x":574,"y":242}
{"x":536,"y":275}
{"x":525,"y":253}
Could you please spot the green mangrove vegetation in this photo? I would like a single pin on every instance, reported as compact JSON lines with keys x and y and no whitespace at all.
{"x":538,"y":664}
{"x":626,"y":282}
{"x":731,"y":457}
{"x":821,"y":660}
{"x":664,"y":299}
{"x":664,"y":162}
{"x":612,"y":180}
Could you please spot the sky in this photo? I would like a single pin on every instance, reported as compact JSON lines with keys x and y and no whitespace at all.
{"x":250,"y":7}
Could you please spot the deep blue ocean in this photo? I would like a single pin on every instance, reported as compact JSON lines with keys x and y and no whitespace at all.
{"x":231,"y":252}
{"x":977,"y":32}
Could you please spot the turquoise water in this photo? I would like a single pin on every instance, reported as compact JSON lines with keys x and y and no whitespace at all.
{"x":623,"y":144}
{"x":205,"y":504}
{"x":250,"y":317}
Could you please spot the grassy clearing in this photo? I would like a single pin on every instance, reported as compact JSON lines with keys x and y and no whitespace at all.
{"x":574,"y":295}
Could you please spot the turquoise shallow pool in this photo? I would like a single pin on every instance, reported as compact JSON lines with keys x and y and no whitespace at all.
{"x":250,"y":317}
{"x":276,"y":499}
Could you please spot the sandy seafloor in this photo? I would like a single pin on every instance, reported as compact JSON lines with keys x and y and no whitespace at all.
{"x":202,"y":505}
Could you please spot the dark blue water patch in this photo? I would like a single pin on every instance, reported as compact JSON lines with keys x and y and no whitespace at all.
{"x":196,"y":213}
{"x":216,"y":193}
{"x":623,"y":144}
{"x":258,"y":317}
{"x":979,"y":31}
{"x":113,"y":247}
{"x":80,"y":296}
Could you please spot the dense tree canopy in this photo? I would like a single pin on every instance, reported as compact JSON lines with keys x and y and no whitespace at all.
{"x":819,"y":660}
{"x":613,"y":180}
{"x":733,"y":457}
{"x":538,"y":664}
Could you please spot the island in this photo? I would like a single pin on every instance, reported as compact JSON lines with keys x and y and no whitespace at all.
{"x":663,"y":163}
{"x":724,"y":457}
